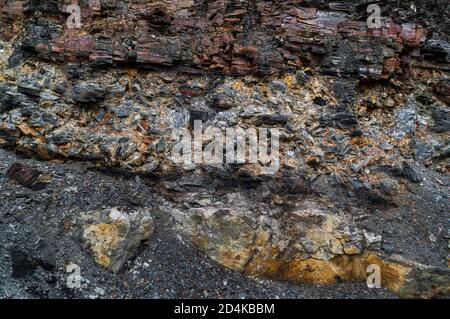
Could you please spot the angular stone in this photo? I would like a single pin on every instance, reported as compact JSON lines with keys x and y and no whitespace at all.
{"x":410,"y":172}
{"x":341,"y":117}
{"x":441,"y":117}
{"x":113,"y":234}
{"x":88,"y":93}
{"x":28,"y":176}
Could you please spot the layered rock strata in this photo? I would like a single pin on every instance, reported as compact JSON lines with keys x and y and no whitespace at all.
{"x":362,"y":113}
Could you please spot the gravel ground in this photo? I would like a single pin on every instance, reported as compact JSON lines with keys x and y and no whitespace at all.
{"x":38,"y":239}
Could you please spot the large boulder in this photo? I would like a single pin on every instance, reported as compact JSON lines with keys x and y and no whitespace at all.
{"x":113,"y":234}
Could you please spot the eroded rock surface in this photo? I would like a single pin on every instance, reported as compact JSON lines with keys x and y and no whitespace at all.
{"x":362,"y":113}
{"x":309,"y":241}
{"x":113,"y":234}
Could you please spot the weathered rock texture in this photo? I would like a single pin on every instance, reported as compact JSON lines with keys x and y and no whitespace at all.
{"x":363,"y":115}
{"x":112,"y":234}
{"x":308,"y":244}
{"x":240,"y":37}
{"x":28,"y":176}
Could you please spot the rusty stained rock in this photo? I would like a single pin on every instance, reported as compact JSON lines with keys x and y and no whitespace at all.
{"x":245,"y":37}
{"x":113,"y":234}
{"x":308,"y":244}
{"x":28,"y":176}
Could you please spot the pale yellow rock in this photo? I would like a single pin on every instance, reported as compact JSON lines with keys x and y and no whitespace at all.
{"x":308,"y":244}
{"x":113,"y":234}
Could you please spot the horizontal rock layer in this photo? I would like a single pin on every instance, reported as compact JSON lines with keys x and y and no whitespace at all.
{"x":239,"y":37}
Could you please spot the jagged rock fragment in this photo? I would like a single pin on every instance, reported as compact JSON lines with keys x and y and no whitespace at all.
{"x":28,"y":176}
{"x":88,"y":93}
{"x":113,"y":234}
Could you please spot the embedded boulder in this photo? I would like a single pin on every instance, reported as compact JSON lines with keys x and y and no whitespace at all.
{"x":113,"y":234}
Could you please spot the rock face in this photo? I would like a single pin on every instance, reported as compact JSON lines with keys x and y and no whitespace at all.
{"x":309,"y":232}
{"x":232,"y":37}
{"x":362,"y":115}
{"x":310,"y":243}
{"x":113,"y":234}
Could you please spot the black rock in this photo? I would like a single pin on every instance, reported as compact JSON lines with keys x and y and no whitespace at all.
{"x":441,"y":117}
{"x":30,"y":89}
{"x":198,"y":115}
{"x":302,"y":77}
{"x":407,"y":117}
{"x":423,"y":151}
{"x":437,"y":49}
{"x":61,"y":138}
{"x":61,"y":88}
{"x":342,"y":117}
{"x":51,"y":6}
{"x":411,"y":173}
{"x":38,"y":119}
{"x":425,"y":99}
{"x":388,"y":247}
{"x":320,"y":101}
{"x":100,"y":115}
{"x":344,"y":92}
{"x":15,"y":58}
{"x":88,"y":93}
{"x":26,"y":176}
{"x":223,"y":101}
{"x":387,"y":187}
{"x":10,"y":100}
{"x":7,"y":138}
{"x":271,"y":119}
{"x":73,"y":71}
